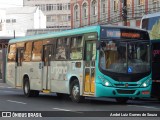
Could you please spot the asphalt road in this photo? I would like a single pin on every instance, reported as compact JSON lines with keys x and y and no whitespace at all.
{"x":13,"y":100}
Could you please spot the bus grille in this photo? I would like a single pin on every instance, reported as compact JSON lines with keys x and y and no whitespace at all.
{"x":123,"y":85}
{"x":125,"y":91}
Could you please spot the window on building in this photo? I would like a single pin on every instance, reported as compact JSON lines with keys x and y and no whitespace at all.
{"x":103,"y":9}
{"x":129,"y":2}
{"x":51,"y":18}
{"x":49,"y":7}
{"x":13,"y":20}
{"x":42,"y":7}
{"x":8,"y":21}
{"x":37,"y":51}
{"x":69,"y":6}
{"x":94,"y":7}
{"x":116,"y":5}
{"x":69,"y":17}
{"x":85,"y":10}
{"x":27,"y":52}
{"x":141,"y":2}
{"x":76,"y":12}
{"x":59,"y":6}
{"x":103,"y":6}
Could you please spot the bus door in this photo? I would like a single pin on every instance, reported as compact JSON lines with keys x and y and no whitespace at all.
{"x":18,"y":70}
{"x":89,"y":79}
{"x":47,"y":53}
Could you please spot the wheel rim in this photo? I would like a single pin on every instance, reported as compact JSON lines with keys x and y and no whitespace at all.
{"x":26,"y":88}
{"x":75,"y":92}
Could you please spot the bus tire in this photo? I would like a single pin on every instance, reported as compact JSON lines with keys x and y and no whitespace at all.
{"x":75,"y":92}
{"x":27,"y":91}
{"x":122,"y":100}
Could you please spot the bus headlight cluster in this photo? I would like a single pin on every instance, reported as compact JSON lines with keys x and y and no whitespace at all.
{"x":104,"y":81}
{"x":146,"y":83}
{"x":107,"y":83}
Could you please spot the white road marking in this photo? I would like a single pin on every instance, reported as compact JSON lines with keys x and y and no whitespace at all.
{"x":61,"y":109}
{"x":9,"y":87}
{"x":16,"y":102}
{"x":67,"y":110}
{"x":149,"y":107}
{"x":5,"y":87}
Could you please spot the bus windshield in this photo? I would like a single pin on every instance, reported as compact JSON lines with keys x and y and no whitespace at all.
{"x":125,"y":57}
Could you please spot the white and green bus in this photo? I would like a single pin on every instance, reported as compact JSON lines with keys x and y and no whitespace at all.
{"x":95,"y":61}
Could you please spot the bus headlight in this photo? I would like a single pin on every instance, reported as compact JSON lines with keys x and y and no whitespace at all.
{"x":146,"y":83}
{"x":107,"y":83}
{"x":104,"y":81}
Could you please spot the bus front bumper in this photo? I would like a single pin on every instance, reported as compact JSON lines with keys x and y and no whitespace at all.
{"x":103,"y":91}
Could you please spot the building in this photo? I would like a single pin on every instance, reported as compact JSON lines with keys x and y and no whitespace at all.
{"x":2,"y":22}
{"x":14,"y":22}
{"x":92,"y":12}
{"x":57,"y":12}
{"x":19,"y":19}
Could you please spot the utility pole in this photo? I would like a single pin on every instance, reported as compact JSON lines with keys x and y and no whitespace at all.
{"x":124,"y":12}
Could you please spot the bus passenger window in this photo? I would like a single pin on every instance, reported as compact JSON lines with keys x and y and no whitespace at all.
{"x":76,"y":48}
{"x":12,"y":52}
{"x":27,"y":52}
{"x":62,"y":49}
{"x":37,"y":51}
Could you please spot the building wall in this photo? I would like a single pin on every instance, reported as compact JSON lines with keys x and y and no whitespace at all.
{"x":110,"y":11}
{"x":2,"y":22}
{"x":57,"y":12}
{"x":20,"y":22}
{"x":39,"y":20}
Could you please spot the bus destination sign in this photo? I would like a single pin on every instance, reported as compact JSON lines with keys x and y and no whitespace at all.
{"x":121,"y":34}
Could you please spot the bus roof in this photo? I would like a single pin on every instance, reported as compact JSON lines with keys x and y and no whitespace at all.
{"x":76,"y":31}
{"x":151,"y":15}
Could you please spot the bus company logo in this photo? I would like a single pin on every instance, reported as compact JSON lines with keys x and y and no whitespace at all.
{"x":6,"y":114}
{"x":126,"y":85}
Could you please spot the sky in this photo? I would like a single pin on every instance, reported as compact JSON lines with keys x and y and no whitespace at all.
{"x":10,"y":3}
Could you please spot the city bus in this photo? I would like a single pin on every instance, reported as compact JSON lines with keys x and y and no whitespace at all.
{"x":151,"y":23}
{"x":95,"y":61}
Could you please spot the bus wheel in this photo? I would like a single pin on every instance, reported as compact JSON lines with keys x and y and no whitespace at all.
{"x":27,"y":91}
{"x":75,"y":92}
{"x":122,"y":100}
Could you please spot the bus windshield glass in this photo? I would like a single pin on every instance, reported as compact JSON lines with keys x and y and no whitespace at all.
{"x":125,"y":57}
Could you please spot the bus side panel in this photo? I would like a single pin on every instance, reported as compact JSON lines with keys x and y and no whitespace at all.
{"x":34,"y":72}
{"x":11,"y":75}
{"x":58,"y":76}
{"x":61,"y":73}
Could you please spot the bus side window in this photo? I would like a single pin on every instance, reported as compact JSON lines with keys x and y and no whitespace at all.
{"x":76,"y":48}
{"x":61,"y":49}
{"x":37,"y":51}
{"x":90,"y":51}
{"x":27,"y":52}
{"x":12,"y":53}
